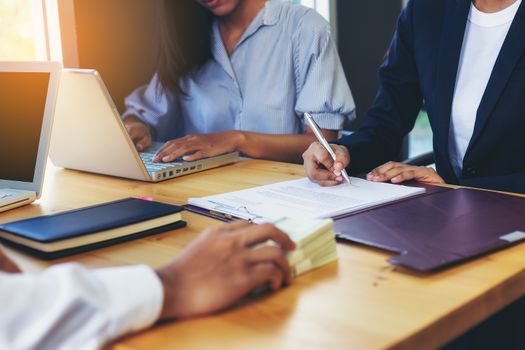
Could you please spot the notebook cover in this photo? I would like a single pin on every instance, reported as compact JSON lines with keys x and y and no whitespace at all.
{"x":93,"y":246}
{"x":434,"y":231}
{"x":97,"y":218}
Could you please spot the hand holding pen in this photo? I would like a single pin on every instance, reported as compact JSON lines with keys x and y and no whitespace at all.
{"x":324,"y":163}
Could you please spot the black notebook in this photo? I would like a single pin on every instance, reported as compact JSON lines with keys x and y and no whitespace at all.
{"x":80,"y":230}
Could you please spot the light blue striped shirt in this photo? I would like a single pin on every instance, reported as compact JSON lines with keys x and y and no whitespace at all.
{"x":285,"y":64}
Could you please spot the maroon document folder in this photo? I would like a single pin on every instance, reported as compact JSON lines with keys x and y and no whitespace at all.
{"x":438,"y":228}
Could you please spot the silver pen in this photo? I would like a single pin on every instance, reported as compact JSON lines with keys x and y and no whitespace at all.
{"x":322,"y":141}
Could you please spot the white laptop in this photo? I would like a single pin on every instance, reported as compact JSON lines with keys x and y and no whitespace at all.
{"x":27,"y":102}
{"x":89,"y":135}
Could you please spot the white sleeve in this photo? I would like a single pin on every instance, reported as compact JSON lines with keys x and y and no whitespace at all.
{"x":71,"y":307}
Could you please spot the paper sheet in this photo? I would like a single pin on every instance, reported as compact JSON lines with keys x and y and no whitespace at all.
{"x":303,"y":199}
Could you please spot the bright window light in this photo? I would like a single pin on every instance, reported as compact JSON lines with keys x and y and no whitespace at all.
{"x":18,"y":32}
{"x":25,"y":24}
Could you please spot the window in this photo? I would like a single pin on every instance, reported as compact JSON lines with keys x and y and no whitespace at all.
{"x":22,"y":32}
{"x":18,"y":33}
{"x":420,"y":139}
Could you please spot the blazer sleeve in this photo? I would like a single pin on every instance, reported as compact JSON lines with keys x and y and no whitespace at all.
{"x":396,"y":105}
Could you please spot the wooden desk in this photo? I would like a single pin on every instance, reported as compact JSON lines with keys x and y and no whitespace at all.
{"x":361,"y":302}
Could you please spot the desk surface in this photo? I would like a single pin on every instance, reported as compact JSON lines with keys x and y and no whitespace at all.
{"x":359,"y":302}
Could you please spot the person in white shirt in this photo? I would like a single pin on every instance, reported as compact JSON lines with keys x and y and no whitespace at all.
{"x":70,"y":307}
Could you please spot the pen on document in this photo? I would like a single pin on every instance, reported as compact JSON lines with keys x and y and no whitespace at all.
{"x":322,"y":141}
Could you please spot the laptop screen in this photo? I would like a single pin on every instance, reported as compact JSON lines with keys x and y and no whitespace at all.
{"x":22,"y":105}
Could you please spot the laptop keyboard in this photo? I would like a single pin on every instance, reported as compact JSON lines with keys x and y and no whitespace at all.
{"x":5,"y":194}
{"x":147,"y":159}
{"x":160,"y":171}
{"x":9,"y":195}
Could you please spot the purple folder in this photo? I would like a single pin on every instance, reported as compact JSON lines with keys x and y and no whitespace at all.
{"x":439,"y":228}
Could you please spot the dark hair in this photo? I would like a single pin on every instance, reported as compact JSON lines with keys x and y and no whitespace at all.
{"x":184,"y":41}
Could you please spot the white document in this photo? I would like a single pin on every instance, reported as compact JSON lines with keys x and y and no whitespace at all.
{"x":303,"y":199}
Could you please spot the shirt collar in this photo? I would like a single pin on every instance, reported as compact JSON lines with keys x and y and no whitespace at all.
{"x":268,"y":16}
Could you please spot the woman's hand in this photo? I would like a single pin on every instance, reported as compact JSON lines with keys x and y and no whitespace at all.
{"x":399,"y":172}
{"x":321,"y":168}
{"x":139,"y":133}
{"x":194,"y":147}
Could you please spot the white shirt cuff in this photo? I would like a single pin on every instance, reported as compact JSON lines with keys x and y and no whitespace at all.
{"x":135,"y":297}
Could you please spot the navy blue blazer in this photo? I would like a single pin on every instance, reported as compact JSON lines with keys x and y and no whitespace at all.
{"x":422,"y":66}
